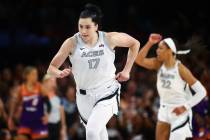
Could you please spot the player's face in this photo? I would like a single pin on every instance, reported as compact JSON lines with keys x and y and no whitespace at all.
{"x":32,"y":76}
{"x":162,"y":51}
{"x":87,"y":28}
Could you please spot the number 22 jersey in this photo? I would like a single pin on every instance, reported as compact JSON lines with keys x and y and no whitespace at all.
{"x":171,"y":87}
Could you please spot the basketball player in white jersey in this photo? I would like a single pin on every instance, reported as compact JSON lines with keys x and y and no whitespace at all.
{"x":92,"y":55}
{"x":174,"y":116}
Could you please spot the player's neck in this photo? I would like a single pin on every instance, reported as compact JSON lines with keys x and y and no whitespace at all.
{"x":170,"y":62}
{"x":93,"y":40}
{"x":30,"y":85}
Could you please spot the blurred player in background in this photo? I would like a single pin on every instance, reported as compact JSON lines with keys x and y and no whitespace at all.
{"x":34,"y":118}
{"x":173,"y":78}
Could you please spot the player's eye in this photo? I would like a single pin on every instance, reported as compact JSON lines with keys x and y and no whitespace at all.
{"x":88,"y":27}
{"x":80,"y":26}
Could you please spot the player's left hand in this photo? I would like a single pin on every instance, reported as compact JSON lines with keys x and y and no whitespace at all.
{"x":65,"y":72}
{"x":122,"y":76}
{"x":179,"y":110}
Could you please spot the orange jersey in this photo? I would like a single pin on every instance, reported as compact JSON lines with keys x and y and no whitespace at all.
{"x":35,"y":91}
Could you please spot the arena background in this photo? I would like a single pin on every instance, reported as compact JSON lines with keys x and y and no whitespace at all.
{"x":32,"y":31}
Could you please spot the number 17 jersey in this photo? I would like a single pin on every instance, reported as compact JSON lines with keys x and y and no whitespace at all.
{"x":92,"y":66}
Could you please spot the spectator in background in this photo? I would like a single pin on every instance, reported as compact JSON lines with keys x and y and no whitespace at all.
{"x":5,"y":83}
{"x":71,"y":113}
{"x":56,"y":119}
{"x":4,"y":132}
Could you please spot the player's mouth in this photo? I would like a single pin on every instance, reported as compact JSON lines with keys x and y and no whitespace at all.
{"x":84,"y":36}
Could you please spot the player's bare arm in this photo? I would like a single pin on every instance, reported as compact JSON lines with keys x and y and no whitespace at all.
{"x":186,"y":74}
{"x":66,"y":49}
{"x":142,"y":60}
{"x":124,"y":40}
{"x":195,"y":85}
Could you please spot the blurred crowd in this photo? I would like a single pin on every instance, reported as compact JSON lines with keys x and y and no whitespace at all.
{"x":41,"y":23}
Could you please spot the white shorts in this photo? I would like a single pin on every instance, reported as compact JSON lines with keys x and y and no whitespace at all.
{"x":98,"y":96}
{"x":181,"y":126}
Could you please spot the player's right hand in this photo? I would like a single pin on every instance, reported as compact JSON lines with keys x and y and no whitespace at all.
{"x":155,"y":38}
{"x":179,"y":110}
{"x":122,"y":76}
{"x":65,"y":72}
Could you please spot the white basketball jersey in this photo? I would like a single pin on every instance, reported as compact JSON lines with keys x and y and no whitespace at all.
{"x":92,"y":66}
{"x":171,"y":88}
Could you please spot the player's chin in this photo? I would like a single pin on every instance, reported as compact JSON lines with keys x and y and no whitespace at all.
{"x":85,"y":38}
{"x":125,"y":79}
